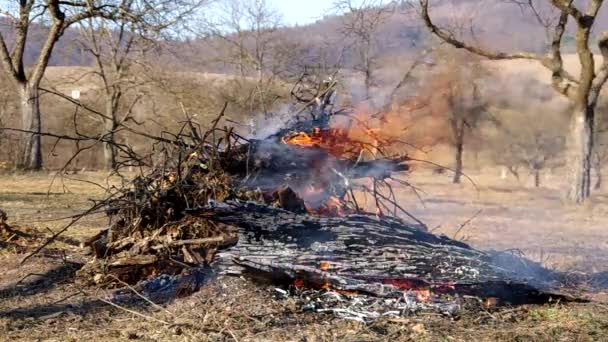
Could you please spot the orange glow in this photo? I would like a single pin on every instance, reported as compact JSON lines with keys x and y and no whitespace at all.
{"x":333,"y":207}
{"x":299,"y":283}
{"x":324,"y":265}
{"x":491,"y":302}
{"x":302,"y":139}
{"x":423,"y":295}
{"x":335,"y":141}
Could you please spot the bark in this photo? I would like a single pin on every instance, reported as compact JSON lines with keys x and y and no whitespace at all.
{"x":361,"y":252}
{"x":580,"y":150}
{"x":597,"y":165}
{"x":31,"y":149}
{"x":109,"y":150}
{"x":458,"y":160}
{"x":368,"y":73}
{"x":458,"y":127}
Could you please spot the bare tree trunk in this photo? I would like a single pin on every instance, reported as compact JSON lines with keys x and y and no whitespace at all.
{"x":30,"y":157}
{"x":597,"y":165}
{"x":513,"y":170}
{"x":109,"y":150}
{"x":368,"y":83}
{"x":581,"y":149}
{"x":458,"y":158}
{"x":458,"y":127}
{"x":367,"y":69}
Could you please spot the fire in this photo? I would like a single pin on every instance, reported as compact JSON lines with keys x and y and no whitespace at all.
{"x":354,"y":142}
{"x":303,"y":139}
{"x":333,"y":207}
{"x":423,"y":295}
{"x":335,"y":141}
{"x":324,"y":265}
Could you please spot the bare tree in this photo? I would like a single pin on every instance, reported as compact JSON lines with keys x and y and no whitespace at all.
{"x":118,"y":53}
{"x":521,"y":143}
{"x":583,"y":91}
{"x":452,"y":97}
{"x":246,"y":33}
{"x":361,"y":22}
{"x":54,"y":18}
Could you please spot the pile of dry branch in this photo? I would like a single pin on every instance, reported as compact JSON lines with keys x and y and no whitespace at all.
{"x":151,"y":233}
{"x":17,"y":238}
{"x":285,"y":208}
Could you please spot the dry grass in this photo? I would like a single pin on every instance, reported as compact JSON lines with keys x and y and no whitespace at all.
{"x":45,"y":200}
{"x":512,"y":216}
{"x":536,"y":221}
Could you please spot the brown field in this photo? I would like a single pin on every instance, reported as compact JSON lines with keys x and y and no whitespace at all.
{"x":39,"y":300}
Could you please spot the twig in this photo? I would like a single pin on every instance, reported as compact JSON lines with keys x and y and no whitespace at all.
{"x":465,"y":223}
{"x":127,"y":310}
{"x":141,"y":295}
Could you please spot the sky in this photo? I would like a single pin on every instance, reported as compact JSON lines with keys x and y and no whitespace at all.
{"x":302,"y":11}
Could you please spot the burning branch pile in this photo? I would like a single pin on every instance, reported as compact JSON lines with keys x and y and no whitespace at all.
{"x":287,"y":208}
{"x":309,"y":169}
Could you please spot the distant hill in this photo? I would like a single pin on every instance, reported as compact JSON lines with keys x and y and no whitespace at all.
{"x":495,"y":24}
{"x":66,"y":53}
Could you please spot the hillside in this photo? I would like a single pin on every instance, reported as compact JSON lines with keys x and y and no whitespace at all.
{"x":495,"y":24}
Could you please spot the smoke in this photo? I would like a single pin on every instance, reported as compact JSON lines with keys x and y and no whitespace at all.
{"x":263,"y":125}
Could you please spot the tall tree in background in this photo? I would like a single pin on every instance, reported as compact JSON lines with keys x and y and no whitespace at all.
{"x":583,"y":91}
{"x":534,"y":145}
{"x":361,"y":22}
{"x":454,"y":98}
{"x":117,"y":50}
{"x":246,"y":32}
{"x":54,"y":17}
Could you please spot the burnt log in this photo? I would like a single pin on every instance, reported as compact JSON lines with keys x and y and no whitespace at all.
{"x":364,"y":253}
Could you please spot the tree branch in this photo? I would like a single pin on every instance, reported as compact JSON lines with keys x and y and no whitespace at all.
{"x":602,"y":75}
{"x":449,"y":38}
{"x":5,"y":59}
{"x":568,"y":7}
{"x":22,"y":29}
{"x":560,"y":79}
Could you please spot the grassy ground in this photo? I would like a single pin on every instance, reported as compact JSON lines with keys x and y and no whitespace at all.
{"x":40,"y":301}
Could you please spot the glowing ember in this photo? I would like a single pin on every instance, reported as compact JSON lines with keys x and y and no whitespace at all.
{"x":302,"y":139}
{"x":324,"y":265}
{"x":491,"y":302}
{"x":423,"y":295}
{"x":335,"y":141}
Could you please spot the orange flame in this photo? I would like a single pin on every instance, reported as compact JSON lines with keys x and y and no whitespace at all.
{"x":324,"y":265}
{"x":423,"y":295}
{"x":302,"y":139}
{"x":335,"y":141}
